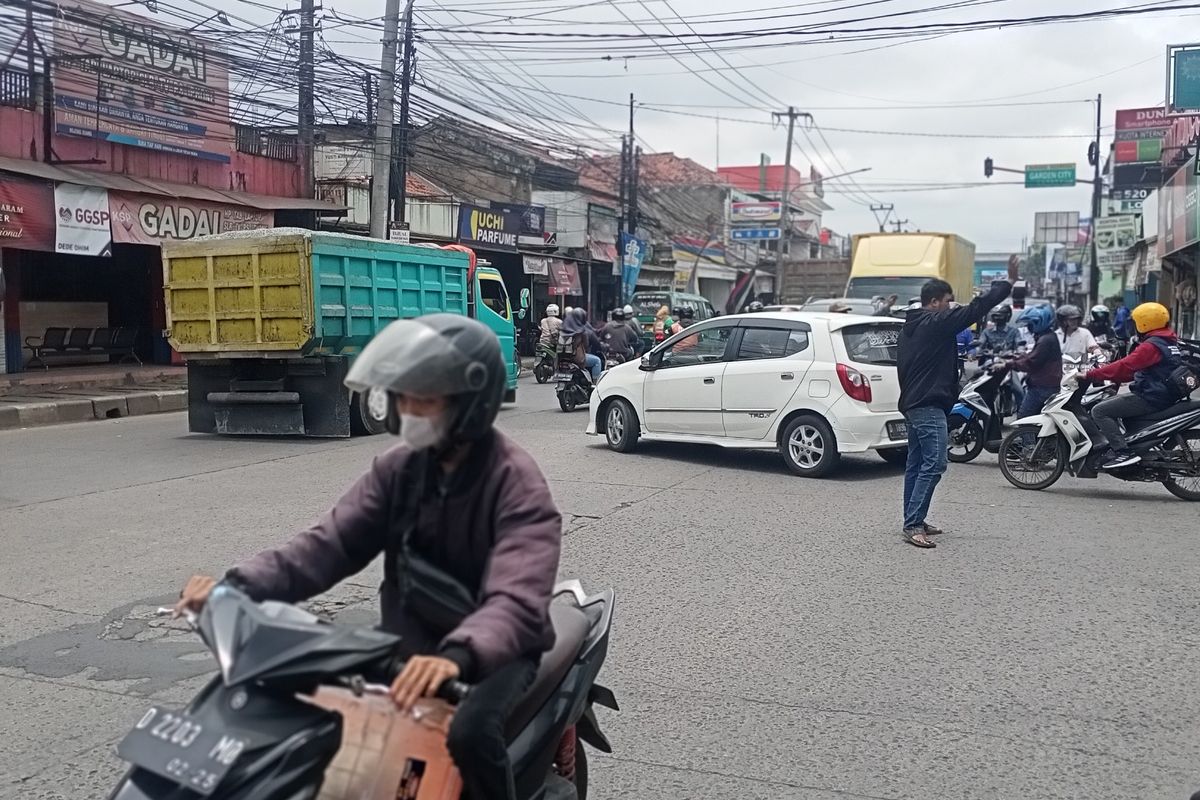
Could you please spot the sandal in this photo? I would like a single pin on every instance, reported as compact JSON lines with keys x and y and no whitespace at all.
{"x":912,"y":539}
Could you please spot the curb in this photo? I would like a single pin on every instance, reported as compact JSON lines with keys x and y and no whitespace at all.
{"x":53,"y":411}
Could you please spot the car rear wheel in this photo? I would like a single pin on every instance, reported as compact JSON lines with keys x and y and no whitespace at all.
{"x":809,"y":447}
{"x":621,"y":426}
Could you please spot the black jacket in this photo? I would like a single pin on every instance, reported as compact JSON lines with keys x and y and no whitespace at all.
{"x":928,"y":355}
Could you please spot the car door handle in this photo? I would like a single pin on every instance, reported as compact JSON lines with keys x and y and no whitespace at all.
{"x":710,"y":380}
{"x":787,"y":376}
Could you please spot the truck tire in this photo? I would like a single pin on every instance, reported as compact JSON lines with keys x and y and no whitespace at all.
{"x":510,"y":396}
{"x":368,"y":412}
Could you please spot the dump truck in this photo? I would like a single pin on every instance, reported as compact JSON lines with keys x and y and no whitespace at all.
{"x":883,"y":264}
{"x":269,"y":322}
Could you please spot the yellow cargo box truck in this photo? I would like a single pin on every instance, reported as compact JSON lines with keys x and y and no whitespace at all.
{"x":883,"y":264}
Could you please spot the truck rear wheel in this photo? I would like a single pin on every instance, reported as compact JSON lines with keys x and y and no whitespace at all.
{"x":368,"y":412}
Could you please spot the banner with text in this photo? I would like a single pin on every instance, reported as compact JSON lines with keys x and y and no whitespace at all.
{"x":146,"y":219}
{"x":1115,"y":236}
{"x":487,"y":228}
{"x":26,"y":215}
{"x":124,"y":78}
{"x":82,"y":220}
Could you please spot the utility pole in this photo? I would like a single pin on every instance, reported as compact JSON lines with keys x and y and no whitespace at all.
{"x":307,"y":117}
{"x":1097,"y":191}
{"x":899,"y":223}
{"x":886,"y":209}
{"x":622,"y":182}
{"x":382,"y":157}
{"x":785,"y":194}
{"x":635,"y":159}
{"x":405,"y":91}
{"x":631,"y":177}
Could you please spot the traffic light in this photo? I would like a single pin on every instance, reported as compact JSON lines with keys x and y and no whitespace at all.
{"x":987,"y":168}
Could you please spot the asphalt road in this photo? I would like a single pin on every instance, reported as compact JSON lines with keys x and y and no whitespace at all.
{"x":774,"y":637}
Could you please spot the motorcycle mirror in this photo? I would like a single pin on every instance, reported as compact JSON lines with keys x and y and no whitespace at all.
{"x":524,"y":300}
{"x":521,"y":314}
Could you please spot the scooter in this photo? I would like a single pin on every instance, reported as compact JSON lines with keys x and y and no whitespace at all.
{"x":1064,"y":438}
{"x":543,"y":368}
{"x":295,"y":713}
{"x":573,"y":383}
{"x":975,"y":422}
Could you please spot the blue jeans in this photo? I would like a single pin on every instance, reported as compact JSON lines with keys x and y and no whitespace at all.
{"x":592,"y":362}
{"x":1035,"y":398}
{"x":927,"y":440}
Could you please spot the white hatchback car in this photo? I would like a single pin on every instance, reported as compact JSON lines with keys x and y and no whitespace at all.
{"x":812,"y":385}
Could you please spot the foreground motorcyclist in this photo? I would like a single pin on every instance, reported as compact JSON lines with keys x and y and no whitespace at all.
{"x":1149,"y":367}
{"x":1042,"y":365}
{"x":467,"y":526}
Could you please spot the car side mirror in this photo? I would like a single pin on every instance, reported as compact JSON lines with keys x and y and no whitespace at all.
{"x":524,"y":299}
{"x":650,"y":361}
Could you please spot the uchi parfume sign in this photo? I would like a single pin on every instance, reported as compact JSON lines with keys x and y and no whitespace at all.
{"x":490,"y":229}
{"x":125,"y":79}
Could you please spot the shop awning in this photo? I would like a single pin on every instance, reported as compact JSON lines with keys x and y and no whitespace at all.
{"x":126,"y":183}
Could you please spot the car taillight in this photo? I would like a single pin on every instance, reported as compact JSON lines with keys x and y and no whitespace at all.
{"x":854,"y":383}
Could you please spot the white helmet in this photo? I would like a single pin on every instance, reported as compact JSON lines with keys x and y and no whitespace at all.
{"x":628,"y":309}
{"x":567,"y":311}
{"x":552,"y":310}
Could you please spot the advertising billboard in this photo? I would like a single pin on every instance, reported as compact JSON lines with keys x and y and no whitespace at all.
{"x":26,"y":215}
{"x":488,"y":228}
{"x":1139,"y":135}
{"x":755,"y":212}
{"x":147,"y":219}
{"x":126,"y":79}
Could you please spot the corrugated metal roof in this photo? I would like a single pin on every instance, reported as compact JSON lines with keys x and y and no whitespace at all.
{"x":126,"y":183}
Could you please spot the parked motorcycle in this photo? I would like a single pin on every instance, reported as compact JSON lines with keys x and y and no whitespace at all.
{"x":1064,"y":438}
{"x":573,"y":383}
{"x":975,"y":421}
{"x":294,"y":714}
{"x":543,"y":368}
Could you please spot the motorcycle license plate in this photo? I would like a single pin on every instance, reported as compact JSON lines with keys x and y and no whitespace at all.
{"x":897,"y":430}
{"x":177,"y":746}
{"x":564,"y":377}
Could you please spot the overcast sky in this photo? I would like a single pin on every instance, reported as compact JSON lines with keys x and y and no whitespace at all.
{"x":844,"y":85}
{"x":1122,"y":59}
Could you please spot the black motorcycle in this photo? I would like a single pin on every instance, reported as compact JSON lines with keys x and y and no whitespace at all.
{"x":573,"y":383}
{"x":1065,"y":438}
{"x":254,"y":733}
{"x":543,"y":367}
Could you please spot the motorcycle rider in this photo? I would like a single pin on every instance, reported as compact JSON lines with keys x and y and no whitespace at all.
{"x":456,"y":505}
{"x":1042,"y":365}
{"x":1149,"y":368}
{"x":617,"y":336}
{"x":663,"y":323}
{"x":755,"y":307}
{"x":1100,"y":323}
{"x":1002,"y":337}
{"x":632,"y":321}
{"x":1075,"y":340}
{"x":687,"y":317}
{"x":583,"y":342}
{"x":550,"y":325}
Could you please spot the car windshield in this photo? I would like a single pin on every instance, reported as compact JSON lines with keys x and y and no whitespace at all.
{"x":905,"y":289}
{"x":647,"y":305}
{"x":872,"y":343}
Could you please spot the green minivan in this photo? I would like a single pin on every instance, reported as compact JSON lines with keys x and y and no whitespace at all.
{"x":646,"y":304}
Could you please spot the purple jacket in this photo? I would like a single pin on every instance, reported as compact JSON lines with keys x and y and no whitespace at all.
{"x":493,"y":525}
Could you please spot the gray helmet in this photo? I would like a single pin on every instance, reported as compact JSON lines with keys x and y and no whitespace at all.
{"x":437,"y":354}
{"x":1069,"y":312}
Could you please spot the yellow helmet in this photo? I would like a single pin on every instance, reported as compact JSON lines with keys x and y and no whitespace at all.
{"x":1150,"y":317}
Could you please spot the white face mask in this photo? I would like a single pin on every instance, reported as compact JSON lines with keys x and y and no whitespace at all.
{"x":421,"y":432}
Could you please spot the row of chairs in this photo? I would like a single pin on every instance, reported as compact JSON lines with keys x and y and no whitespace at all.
{"x":75,"y":342}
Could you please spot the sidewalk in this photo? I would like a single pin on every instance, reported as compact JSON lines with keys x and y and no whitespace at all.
{"x":77,"y":394}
